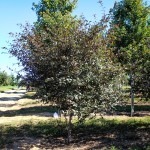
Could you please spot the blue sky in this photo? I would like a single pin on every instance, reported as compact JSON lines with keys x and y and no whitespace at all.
{"x":13,"y":12}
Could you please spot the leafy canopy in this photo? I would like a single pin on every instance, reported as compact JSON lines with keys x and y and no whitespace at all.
{"x":131,"y":31}
{"x":67,"y":59}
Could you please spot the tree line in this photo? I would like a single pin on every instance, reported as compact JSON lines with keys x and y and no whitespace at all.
{"x":6,"y":79}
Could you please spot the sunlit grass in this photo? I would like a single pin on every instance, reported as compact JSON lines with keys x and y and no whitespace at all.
{"x":27,"y":102}
{"x":34,"y":121}
{"x":6,"y":88}
{"x":29,"y":95}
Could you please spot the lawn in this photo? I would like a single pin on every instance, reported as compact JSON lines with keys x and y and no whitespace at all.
{"x":131,"y":134}
{"x":6,"y":88}
{"x":29,"y":124}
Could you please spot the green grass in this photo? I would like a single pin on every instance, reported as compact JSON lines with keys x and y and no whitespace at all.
{"x":89,"y":130}
{"x":132,"y":148}
{"x":95,"y":129}
{"x":137,"y":97}
{"x":28,"y":102}
{"x":127,"y":108}
{"x":30,"y":95}
{"x":6,"y":88}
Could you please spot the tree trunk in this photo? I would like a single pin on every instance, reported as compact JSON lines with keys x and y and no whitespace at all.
{"x":132,"y":93}
{"x":69,"y":128}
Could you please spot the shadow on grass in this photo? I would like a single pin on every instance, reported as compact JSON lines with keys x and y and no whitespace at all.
{"x":15,"y":92}
{"x":10,"y":98}
{"x":107,"y":133}
{"x":30,"y":95}
{"x":16,"y":95}
{"x":28,"y":111}
{"x":51,"y":109}
{"x":127,"y":108}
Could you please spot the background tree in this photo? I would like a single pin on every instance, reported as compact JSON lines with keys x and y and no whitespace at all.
{"x":51,"y":8}
{"x":129,"y":26}
{"x":3,"y":78}
{"x":6,"y":79}
{"x":12,"y":80}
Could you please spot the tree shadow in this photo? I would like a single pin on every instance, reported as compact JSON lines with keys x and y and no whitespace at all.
{"x":137,"y":107}
{"x":36,"y":110}
{"x":120,"y":135}
{"x":14,"y":92}
{"x":7,"y":105}
{"x":10,"y":98}
{"x":105,"y":133}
